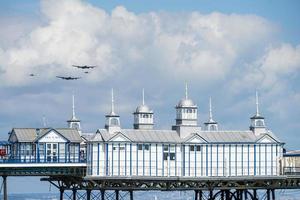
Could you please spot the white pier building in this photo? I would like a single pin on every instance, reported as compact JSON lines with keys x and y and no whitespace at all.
{"x":186,"y":150}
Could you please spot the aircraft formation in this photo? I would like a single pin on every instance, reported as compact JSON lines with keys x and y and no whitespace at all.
{"x":82,"y":67}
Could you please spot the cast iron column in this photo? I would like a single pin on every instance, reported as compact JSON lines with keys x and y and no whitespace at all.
{"x":5,"y":188}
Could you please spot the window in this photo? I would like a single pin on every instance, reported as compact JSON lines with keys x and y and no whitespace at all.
{"x":114,"y":122}
{"x":143,"y":146}
{"x":140,"y":147}
{"x":169,"y":154}
{"x":259,"y":123}
{"x":195,"y":148}
{"x":145,"y":116}
{"x":213,"y":127}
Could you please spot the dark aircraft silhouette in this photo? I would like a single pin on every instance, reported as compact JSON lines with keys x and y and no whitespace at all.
{"x":86,"y":72}
{"x":31,"y":74}
{"x":68,"y":77}
{"x":84,"y":66}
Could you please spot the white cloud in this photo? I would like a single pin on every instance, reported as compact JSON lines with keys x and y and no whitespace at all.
{"x":202,"y":47}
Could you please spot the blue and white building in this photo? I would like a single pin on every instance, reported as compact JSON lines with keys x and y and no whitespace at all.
{"x":186,"y":150}
{"x":49,"y":145}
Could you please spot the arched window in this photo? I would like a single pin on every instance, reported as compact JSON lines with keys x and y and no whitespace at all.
{"x":145,"y":116}
{"x":114,"y":122}
{"x":213,"y":127}
{"x":259,"y":123}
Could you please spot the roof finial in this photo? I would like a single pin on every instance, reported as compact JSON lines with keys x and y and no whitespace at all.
{"x":112,"y":102}
{"x":257,"y":108}
{"x":186,"y":90}
{"x":73,"y":107}
{"x":210,"y":110}
{"x":143,"y":93}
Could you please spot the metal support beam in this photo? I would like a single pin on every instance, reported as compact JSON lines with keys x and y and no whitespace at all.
{"x":5,"y":188}
{"x":273,"y":194}
{"x":88,"y":194}
{"x":102,"y":194}
{"x":255,"y":194}
{"x":74,"y":194}
{"x":200,"y":195}
{"x":246,"y":194}
{"x":227,"y":192}
{"x":117,"y":194}
{"x":131,"y":194}
{"x":61,"y":193}
{"x":196,"y":194}
{"x":211,"y":194}
{"x":268,"y":194}
{"x":222,"y":195}
{"x":240,"y":194}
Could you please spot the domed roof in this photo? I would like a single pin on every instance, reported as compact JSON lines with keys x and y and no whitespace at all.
{"x":186,"y":103}
{"x":143,"y":109}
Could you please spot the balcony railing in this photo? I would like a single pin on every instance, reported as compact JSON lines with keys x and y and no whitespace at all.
{"x":39,"y":160}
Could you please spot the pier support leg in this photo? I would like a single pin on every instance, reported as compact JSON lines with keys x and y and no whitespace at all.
{"x":117,"y":194}
{"x":88,"y":194}
{"x":74,"y":194}
{"x":102,"y":194}
{"x":211,"y":195}
{"x":131,"y":194}
{"x":273,"y":194}
{"x":222,"y":195}
{"x":200,"y":195}
{"x":196,"y":194}
{"x":61,"y":194}
{"x":268,"y":194}
{"x":255,"y":194}
{"x":227,"y":193}
{"x":5,"y":188}
{"x":240,"y":194}
{"x":246,"y":194}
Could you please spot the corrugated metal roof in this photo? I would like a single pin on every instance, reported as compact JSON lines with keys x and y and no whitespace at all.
{"x":171,"y":136}
{"x":30,"y":134}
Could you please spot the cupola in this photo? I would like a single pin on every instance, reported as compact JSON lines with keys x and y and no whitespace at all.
{"x":257,"y":121}
{"x":112,"y":119}
{"x":74,"y":122}
{"x":143,"y":116}
{"x":211,"y":125}
{"x":186,"y":111}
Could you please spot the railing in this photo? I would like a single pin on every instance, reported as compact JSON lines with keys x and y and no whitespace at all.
{"x":291,"y":170}
{"x":35,"y":160}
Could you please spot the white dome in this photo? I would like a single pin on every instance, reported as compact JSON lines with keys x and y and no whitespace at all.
{"x":186,"y":103}
{"x":143,"y":109}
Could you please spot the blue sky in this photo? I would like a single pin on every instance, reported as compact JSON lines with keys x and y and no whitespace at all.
{"x":225,"y":50}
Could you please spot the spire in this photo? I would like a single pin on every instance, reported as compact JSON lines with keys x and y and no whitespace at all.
{"x":257,"y":107}
{"x":186,"y":90}
{"x":143,"y":93}
{"x":112,"y":112}
{"x":210,"y":111}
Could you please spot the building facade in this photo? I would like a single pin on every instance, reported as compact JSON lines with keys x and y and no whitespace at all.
{"x":185,"y":150}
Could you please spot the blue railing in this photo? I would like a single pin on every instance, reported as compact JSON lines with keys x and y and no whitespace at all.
{"x":35,"y":160}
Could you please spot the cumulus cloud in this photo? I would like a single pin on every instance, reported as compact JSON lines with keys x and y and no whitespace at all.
{"x":202,"y":47}
{"x":272,"y":71}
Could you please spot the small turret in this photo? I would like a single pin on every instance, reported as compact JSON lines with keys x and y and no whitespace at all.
{"x":74,"y":122}
{"x":143,"y":116}
{"x":112,"y":119}
{"x":186,"y":116}
{"x":211,"y":125}
{"x":257,"y":121}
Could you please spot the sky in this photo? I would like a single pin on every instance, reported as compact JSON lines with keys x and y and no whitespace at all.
{"x":225,"y":50}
